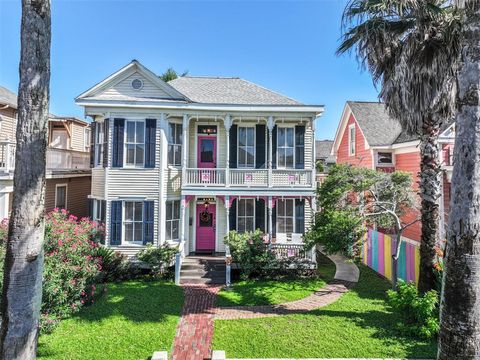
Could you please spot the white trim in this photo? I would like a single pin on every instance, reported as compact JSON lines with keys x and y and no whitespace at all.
{"x":350,"y":138}
{"x":207,"y":135}
{"x":123,"y":241}
{"x":254,"y":212}
{"x":125,"y":132}
{"x":172,"y":200}
{"x":66,"y":193}
{"x":293,"y":216}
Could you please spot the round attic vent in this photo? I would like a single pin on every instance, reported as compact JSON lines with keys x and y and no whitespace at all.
{"x":137,"y":84}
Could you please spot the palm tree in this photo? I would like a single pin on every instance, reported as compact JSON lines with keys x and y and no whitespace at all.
{"x":460,"y":317}
{"x":22,"y":282}
{"x":171,"y":74}
{"x":411,"y":48}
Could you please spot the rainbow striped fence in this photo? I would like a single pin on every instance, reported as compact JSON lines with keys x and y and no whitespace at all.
{"x":377,"y":254}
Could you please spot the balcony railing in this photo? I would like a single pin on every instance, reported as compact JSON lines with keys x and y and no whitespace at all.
{"x":288,"y":178}
{"x":7,"y":156}
{"x":63,"y":159}
{"x":57,"y":159}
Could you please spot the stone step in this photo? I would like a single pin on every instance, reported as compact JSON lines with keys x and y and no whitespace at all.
{"x":202,"y":273}
{"x":196,"y":280}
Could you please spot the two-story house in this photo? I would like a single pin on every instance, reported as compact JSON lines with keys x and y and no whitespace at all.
{"x":186,"y":161}
{"x":68,"y":174}
{"x":368,"y":137}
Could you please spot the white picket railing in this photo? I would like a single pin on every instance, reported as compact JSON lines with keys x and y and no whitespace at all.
{"x":204,"y":177}
{"x":249,"y":177}
{"x":291,"y":178}
{"x":63,"y":159}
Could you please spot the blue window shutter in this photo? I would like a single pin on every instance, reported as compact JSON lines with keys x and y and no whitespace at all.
{"x":105,"y":143}
{"x":233,"y":146}
{"x":299,"y":216}
{"x":274,"y":147}
{"x":150,"y":134}
{"x":117,"y":146}
{"x":116,"y":223}
{"x":260,"y":147}
{"x":148,"y":210}
{"x":300,"y":147}
{"x":93,"y":125}
{"x":260,"y":214}
{"x":232,"y":220}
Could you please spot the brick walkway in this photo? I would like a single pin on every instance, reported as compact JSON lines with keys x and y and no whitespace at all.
{"x":195,"y":330}
{"x":327,"y":295}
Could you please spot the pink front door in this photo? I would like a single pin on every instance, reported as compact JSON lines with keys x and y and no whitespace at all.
{"x":205,"y":227}
{"x":207,"y":152}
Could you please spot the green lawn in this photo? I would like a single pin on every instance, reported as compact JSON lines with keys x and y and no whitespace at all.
{"x":256,"y":292}
{"x":358,"y":325}
{"x":135,"y":319}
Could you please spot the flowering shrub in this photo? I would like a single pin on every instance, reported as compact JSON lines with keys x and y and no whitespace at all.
{"x":420,"y":313}
{"x":71,"y":267}
{"x":115,"y":266}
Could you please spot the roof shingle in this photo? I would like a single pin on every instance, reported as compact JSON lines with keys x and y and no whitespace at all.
{"x":219,"y":90}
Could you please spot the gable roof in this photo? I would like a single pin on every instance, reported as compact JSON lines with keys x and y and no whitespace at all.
{"x":228,"y":90}
{"x":377,"y":126}
{"x":323,"y":150}
{"x":126,"y":71}
{"x":8,"y":97}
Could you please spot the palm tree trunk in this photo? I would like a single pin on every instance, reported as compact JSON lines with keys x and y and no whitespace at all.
{"x":459,"y":336}
{"x":22,"y":289}
{"x":430,"y":191}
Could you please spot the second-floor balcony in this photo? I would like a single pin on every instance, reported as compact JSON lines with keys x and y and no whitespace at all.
{"x":56,"y":159}
{"x":255,"y":178}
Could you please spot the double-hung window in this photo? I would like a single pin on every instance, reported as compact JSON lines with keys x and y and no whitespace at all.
{"x":172,"y":220}
{"x":61,"y":196}
{"x":351,"y":140}
{"x":99,"y":140}
{"x":246,"y":147}
{"x":135,"y":143}
{"x":245,"y":215}
{"x":133,"y":224}
{"x":98,"y":214}
{"x":285,"y":216}
{"x":175,"y":144}
{"x":285,"y":147}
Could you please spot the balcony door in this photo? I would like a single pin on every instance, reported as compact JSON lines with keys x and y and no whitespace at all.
{"x":207,"y":152}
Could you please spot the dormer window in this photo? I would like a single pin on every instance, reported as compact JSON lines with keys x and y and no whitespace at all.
{"x":351,"y":140}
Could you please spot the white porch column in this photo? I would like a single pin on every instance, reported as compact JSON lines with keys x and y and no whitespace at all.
{"x":228,"y":124}
{"x":184,"y":147}
{"x":183,"y":206}
{"x":228,"y":256}
{"x":227,"y":211}
{"x":270,"y":125}
{"x":162,"y":127}
{"x":270,"y":222}
{"x":314,"y":156}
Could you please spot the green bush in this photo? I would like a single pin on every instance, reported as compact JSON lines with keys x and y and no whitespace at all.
{"x":420,"y":313}
{"x":158,"y":258}
{"x":249,"y":250}
{"x":115,"y":266}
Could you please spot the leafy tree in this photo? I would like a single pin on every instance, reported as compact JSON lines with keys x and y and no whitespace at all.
{"x":351,"y":198}
{"x":22,"y":282}
{"x":411,"y":48}
{"x":460,"y":304}
{"x":171,"y":74}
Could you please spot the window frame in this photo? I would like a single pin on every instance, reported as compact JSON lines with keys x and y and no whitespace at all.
{"x":172,"y":220}
{"x":135,"y":143}
{"x":279,"y":216}
{"x":65,"y":185}
{"x":292,"y":127}
{"x":352,"y":139}
{"x":246,"y":165}
{"x":87,"y":133}
{"x":253,"y":217}
{"x":133,"y":222}
{"x":97,"y":210}
{"x":98,"y":143}
{"x":377,"y":158}
{"x":174,"y":144}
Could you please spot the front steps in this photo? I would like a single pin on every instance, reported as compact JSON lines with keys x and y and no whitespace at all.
{"x":203,"y":270}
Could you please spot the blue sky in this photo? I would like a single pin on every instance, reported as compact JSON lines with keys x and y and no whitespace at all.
{"x":287,"y":46}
